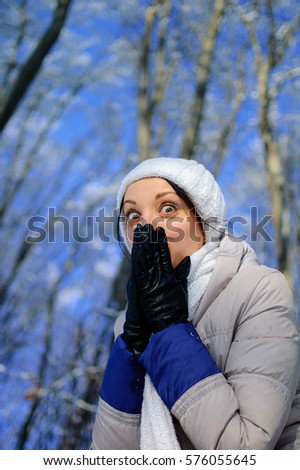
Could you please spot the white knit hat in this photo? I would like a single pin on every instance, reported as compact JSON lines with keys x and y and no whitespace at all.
{"x":194,"y":179}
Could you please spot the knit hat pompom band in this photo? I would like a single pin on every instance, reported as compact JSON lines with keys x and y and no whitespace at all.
{"x":194,"y":179}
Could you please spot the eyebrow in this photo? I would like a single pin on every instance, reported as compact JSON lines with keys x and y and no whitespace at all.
{"x":158,"y":196}
{"x":129,"y":201}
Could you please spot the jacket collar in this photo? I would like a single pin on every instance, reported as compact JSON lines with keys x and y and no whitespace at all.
{"x":232,"y":254}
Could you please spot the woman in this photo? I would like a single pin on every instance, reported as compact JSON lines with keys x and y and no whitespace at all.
{"x":207,"y":353}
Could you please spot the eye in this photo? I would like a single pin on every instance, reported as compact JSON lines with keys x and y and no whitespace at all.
{"x":132,"y":216}
{"x":168,"y":208}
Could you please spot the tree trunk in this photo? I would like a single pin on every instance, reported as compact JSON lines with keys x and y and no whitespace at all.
{"x":275,"y":174}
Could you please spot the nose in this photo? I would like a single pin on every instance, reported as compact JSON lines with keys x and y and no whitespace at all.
{"x":153,"y":219}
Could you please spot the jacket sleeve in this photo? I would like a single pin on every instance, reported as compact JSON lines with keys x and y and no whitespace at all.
{"x":175,"y":360}
{"x":117,"y":424}
{"x":246,"y":405}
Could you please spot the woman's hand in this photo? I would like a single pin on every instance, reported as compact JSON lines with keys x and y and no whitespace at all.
{"x":162,"y":291}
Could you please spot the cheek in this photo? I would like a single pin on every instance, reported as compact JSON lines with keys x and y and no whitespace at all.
{"x":178,"y":241}
{"x":177,"y":231}
{"x":183,"y":240}
{"x":129,"y":235}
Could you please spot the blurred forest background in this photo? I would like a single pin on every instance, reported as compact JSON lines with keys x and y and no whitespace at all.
{"x":89,"y":89}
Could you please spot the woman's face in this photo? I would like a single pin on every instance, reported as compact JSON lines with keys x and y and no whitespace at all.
{"x":154,"y":201}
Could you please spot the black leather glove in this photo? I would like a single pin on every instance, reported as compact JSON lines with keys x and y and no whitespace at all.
{"x":162,"y":291}
{"x":136,"y":329}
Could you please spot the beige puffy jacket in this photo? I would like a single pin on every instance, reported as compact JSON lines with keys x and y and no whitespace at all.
{"x":246,"y":320}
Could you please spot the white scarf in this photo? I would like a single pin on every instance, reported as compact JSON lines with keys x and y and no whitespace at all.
{"x":157,"y":430}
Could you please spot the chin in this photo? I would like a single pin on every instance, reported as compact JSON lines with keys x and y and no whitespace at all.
{"x":176,"y":260}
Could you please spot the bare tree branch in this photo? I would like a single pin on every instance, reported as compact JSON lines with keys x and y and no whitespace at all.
{"x":229,"y":125}
{"x":149,"y":100}
{"x":203,"y":71}
{"x":12,"y":62}
{"x":265,"y":65}
{"x":13,"y":186}
{"x":31,"y":67}
{"x":281,"y":78}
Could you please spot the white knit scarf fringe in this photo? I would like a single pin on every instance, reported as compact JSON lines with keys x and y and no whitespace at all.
{"x":157,"y":429}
